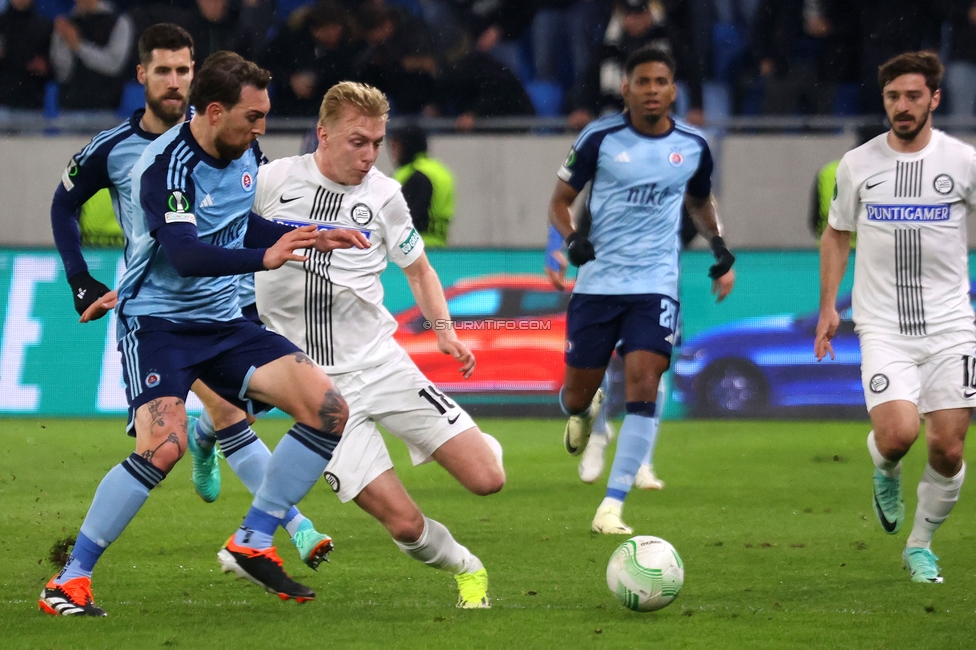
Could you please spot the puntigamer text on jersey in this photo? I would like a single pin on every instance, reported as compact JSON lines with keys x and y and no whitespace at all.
{"x":908,"y":212}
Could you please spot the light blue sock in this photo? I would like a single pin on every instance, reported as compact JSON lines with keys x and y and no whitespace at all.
{"x":662,"y":396}
{"x":296,"y":465}
{"x":297,"y":522}
{"x":600,"y":421}
{"x":248,"y":456}
{"x":206,"y":435}
{"x":632,"y":445}
{"x":117,"y":500}
{"x":258,"y":529}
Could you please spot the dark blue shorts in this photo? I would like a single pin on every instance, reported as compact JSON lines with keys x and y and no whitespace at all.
{"x":161,"y":358}
{"x":595,"y":324}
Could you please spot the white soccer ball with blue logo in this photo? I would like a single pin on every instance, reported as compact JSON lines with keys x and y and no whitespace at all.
{"x":645,"y":573}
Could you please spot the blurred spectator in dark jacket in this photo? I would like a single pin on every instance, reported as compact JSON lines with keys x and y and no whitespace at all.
{"x":308,"y":56}
{"x":489,"y":26}
{"x":567,"y":27}
{"x":25,"y":41}
{"x":960,"y":77}
{"x":634,"y":24}
{"x":401,"y":59}
{"x":226,"y":25}
{"x":479,"y":86}
{"x":888,"y":28}
{"x":804,"y":48}
{"x":89,"y":52}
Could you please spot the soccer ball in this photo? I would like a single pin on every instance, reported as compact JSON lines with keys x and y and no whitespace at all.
{"x":645,"y":573}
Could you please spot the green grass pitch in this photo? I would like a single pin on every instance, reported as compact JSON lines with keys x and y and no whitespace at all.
{"x":772,"y":520}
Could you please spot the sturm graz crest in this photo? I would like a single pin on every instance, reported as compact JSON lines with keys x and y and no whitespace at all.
{"x":878,"y":383}
{"x":361,"y":214}
{"x":943,"y":184}
{"x":332,"y":480}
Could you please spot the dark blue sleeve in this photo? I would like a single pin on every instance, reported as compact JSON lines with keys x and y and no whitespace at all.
{"x":166,"y":198}
{"x":79,"y":182}
{"x":258,"y":154}
{"x":194,"y":258}
{"x":580,"y":165}
{"x":700,"y":185}
{"x":262,"y":233}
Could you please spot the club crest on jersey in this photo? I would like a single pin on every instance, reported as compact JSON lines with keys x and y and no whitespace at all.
{"x":247,"y":181}
{"x":153,"y":379}
{"x":676,"y":159}
{"x":943,"y":184}
{"x":361,"y":214}
{"x":878,"y":383}
{"x":332,"y":480}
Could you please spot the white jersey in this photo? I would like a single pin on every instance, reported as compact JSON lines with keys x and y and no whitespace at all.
{"x":909,"y":210}
{"x":332,"y":305}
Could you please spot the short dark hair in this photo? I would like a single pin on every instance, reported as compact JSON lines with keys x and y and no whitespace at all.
{"x":412,"y":139}
{"x":924,"y":63}
{"x":648,"y":54}
{"x":163,"y":36}
{"x":221,"y":79}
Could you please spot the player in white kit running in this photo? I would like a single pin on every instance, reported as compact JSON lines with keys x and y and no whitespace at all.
{"x":332,"y":307}
{"x":907,"y":194}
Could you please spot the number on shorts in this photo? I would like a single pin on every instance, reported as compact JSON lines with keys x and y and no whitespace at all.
{"x":669,"y":314}
{"x":437,"y":399}
{"x":968,"y":371}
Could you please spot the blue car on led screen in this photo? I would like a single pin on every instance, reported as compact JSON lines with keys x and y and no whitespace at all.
{"x":765,"y":366}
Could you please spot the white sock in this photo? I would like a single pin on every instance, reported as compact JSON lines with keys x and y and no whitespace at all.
{"x":891,"y":469}
{"x":436,"y":548}
{"x":615,"y":504}
{"x":936,"y":496}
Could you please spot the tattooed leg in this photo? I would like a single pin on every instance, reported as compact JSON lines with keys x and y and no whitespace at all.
{"x":161,"y":430}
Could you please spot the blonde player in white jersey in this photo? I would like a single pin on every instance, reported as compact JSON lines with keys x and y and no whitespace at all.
{"x":332,"y":307}
{"x":907,"y":194}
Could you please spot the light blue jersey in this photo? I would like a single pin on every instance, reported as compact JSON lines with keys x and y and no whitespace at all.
{"x":104,"y":163}
{"x":638,"y":186}
{"x":176,"y":181}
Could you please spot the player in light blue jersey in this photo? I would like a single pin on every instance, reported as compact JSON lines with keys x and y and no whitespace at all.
{"x":165,"y":69}
{"x":642,"y":166}
{"x":191,"y":233}
{"x":592,"y":461}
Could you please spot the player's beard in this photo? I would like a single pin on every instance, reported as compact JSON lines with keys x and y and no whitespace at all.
{"x":228,"y":151}
{"x":170,"y":115}
{"x":908,"y":136}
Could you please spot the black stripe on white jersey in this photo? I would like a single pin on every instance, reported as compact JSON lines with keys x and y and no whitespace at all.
{"x":908,"y":281}
{"x":326,"y":205}
{"x":318,"y":308}
{"x":908,"y":179}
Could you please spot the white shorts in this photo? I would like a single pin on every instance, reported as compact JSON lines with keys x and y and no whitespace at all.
{"x":933,"y":372}
{"x":398,"y":396}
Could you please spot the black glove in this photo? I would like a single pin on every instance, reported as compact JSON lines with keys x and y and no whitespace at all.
{"x":579,"y":249}
{"x":724,"y":259}
{"x":85,"y":290}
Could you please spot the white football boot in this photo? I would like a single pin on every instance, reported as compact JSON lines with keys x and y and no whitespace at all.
{"x":646,"y":479}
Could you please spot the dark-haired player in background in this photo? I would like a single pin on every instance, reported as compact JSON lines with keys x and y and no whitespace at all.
{"x":190,"y":236}
{"x":643,"y":167}
{"x":907,"y":194}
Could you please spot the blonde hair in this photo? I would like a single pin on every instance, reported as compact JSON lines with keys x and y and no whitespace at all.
{"x":366,"y":100}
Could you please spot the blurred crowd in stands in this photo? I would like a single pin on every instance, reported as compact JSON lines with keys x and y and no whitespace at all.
{"x":468,"y":59}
